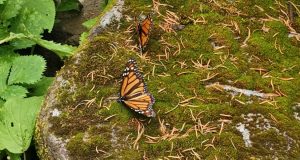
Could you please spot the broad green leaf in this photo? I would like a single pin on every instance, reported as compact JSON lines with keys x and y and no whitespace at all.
{"x":7,"y":54}
{"x":10,"y":8}
{"x":1,"y":105}
{"x":12,"y":36}
{"x":2,"y":147}
{"x":1,"y":2}
{"x":13,"y":91}
{"x":21,"y":26}
{"x":4,"y":30}
{"x":4,"y":72}
{"x":17,"y":123}
{"x":34,"y":18}
{"x":27,"y":69}
{"x":18,"y":41}
{"x":40,"y":88}
{"x":21,"y":44}
{"x":59,"y":49}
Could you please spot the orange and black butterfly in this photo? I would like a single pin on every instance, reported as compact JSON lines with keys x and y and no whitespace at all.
{"x":143,"y":31}
{"x":134,"y":93}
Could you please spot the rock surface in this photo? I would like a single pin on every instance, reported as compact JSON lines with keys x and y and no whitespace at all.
{"x":225,"y":76}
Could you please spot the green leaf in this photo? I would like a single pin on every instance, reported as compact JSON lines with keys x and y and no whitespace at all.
{"x":2,"y":147}
{"x":1,"y":105}
{"x":17,"y":123}
{"x":10,"y":8}
{"x":4,"y":72}
{"x":21,"y":44}
{"x":27,"y":69}
{"x":83,"y":37}
{"x":34,"y":18}
{"x":4,"y":29}
{"x":40,"y":88}
{"x":67,"y":5}
{"x":1,"y":2}
{"x":7,"y":54}
{"x":13,"y":156}
{"x":90,"y":23}
{"x":12,"y":36}
{"x":14,"y":91}
{"x":59,"y":49}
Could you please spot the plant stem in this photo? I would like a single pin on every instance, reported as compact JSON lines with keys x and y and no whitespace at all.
{"x":32,"y":50}
{"x":24,"y":156}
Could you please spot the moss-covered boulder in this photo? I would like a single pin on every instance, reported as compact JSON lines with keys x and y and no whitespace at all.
{"x":225,"y":76}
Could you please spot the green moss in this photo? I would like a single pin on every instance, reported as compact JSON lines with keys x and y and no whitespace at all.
{"x":129,"y":154}
{"x":264,"y":47}
{"x":87,"y":147}
{"x":123,"y":114}
{"x":264,"y":141}
{"x":172,"y":82}
{"x":268,"y":6}
{"x":82,"y":150}
{"x":162,"y":146}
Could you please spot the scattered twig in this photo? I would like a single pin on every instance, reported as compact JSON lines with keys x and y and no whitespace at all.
{"x":247,"y":38}
{"x":141,"y":130}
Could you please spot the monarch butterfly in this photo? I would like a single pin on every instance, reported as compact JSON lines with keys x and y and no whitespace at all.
{"x":134,"y":93}
{"x":143,"y":31}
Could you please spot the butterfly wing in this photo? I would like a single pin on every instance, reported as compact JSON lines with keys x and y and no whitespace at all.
{"x":143,"y":30}
{"x":134,"y":93}
{"x":132,"y":80}
{"x":142,"y":103}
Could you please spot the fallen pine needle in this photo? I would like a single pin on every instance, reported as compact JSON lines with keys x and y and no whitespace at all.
{"x":141,"y":130}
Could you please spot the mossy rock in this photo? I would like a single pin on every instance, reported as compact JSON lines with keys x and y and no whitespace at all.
{"x":196,"y":74}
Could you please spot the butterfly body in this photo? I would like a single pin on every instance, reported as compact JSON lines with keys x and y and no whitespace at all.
{"x":143,"y":31}
{"x":134,"y":93}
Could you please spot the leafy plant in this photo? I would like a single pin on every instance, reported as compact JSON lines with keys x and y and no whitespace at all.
{"x":18,"y":119}
{"x":22,"y":84}
{"x":18,"y":112}
{"x":16,"y":70}
{"x":88,"y":25}
{"x":60,"y":50}
{"x":23,"y":22}
{"x":28,"y":17}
